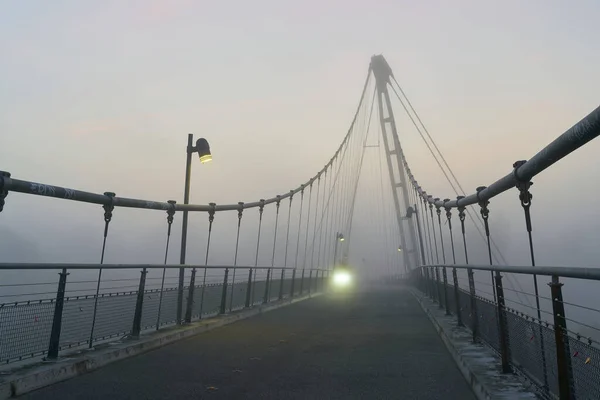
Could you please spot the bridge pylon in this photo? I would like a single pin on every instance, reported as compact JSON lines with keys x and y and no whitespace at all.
{"x":395,"y":161}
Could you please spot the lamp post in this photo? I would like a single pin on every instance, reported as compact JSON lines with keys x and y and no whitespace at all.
{"x":203,"y":150}
{"x":338,"y":238}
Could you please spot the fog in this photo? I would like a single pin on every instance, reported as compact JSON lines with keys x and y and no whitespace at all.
{"x":100,"y":97}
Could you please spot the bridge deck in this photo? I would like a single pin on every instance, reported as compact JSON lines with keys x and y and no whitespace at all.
{"x":376,"y":345}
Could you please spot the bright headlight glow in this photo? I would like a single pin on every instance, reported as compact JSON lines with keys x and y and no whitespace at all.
{"x":341,"y":278}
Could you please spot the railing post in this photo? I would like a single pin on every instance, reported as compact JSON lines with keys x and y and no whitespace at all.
{"x":446,"y":303}
{"x":190,"y":300}
{"x":249,"y":289}
{"x":266,"y":296}
{"x":280,"y":297}
{"x":563,"y":352}
{"x":224,"y":293}
{"x":302,"y":283}
{"x":293,"y":283}
{"x":427,"y":282}
{"x":57,"y":320}
{"x":456,"y":297}
{"x":502,"y":326}
{"x":438,"y":292}
{"x":474,"y":315}
{"x":433,"y":284}
{"x":139,"y":304}
{"x":454,"y":274}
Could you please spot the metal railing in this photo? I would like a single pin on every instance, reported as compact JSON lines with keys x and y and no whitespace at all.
{"x":556,"y":358}
{"x":36,"y":320}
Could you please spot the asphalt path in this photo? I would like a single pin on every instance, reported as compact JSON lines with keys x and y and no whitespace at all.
{"x":375,"y":344}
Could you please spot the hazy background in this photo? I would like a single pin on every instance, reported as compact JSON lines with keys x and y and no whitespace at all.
{"x":101,"y":96}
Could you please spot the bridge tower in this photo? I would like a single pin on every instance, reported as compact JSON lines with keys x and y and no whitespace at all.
{"x":395,"y":160}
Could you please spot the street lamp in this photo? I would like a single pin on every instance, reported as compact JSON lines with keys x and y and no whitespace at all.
{"x":399,"y":249}
{"x":203,"y":150}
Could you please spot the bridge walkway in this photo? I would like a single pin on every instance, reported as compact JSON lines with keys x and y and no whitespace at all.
{"x":371,"y":344}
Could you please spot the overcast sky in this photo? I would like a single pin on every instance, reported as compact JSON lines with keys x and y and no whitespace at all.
{"x":100,"y":96}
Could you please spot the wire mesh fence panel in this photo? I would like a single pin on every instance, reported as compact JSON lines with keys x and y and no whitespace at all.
{"x":150,"y":308}
{"x":77,"y":321}
{"x":526,"y":338}
{"x":238,"y":296}
{"x":114,"y":315}
{"x":487,"y":314}
{"x":212,"y":299}
{"x":25,"y":329}
{"x":196,"y":302}
{"x":316,"y":282}
{"x":304,"y":283}
{"x":287,"y":288}
{"x":168,"y":308}
{"x":258,"y":292}
{"x":274,"y":289}
{"x":585,"y":362}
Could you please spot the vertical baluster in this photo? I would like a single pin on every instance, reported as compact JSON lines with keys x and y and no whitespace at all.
{"x":108,"y":209}
{"x":237,"y":241}
{"x":444,"y":273}
{"x":269,"y":271}
{"x":250,"y":290}
{"x":474,"y":319}
{"x":306,"y":238}
{"x":211,"y":218}
{"x":287,"y":237}
{"x":170,"y":216}
{"x":525,"y":197}
{"x":454,"y":273}
{"x":297,"y":242}
{"x":314,"y":236}
{"x":499,"y":291}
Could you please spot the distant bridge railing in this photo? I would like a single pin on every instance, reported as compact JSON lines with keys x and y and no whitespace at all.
{"x":557,"y":359}
{"x":301,"y":227}
{"x":43,"y":318}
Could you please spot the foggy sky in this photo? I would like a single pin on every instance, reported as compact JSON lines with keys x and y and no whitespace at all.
{"x":101,"y":96}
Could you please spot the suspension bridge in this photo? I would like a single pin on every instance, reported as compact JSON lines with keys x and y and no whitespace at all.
{"x":418,"y":257}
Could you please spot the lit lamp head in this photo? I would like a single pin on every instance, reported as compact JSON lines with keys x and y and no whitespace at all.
{"x":340,"y":237}
{"x":399,"y":249}
{"x":203,"y":150}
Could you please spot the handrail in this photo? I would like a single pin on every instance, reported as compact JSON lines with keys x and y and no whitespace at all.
{"x":22,"y":186}
{"x":56,"y":266}
{"x":575,"y":137}
{"x":590,"y":273}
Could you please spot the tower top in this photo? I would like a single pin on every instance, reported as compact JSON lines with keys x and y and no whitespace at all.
{"x":381,"y":69}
